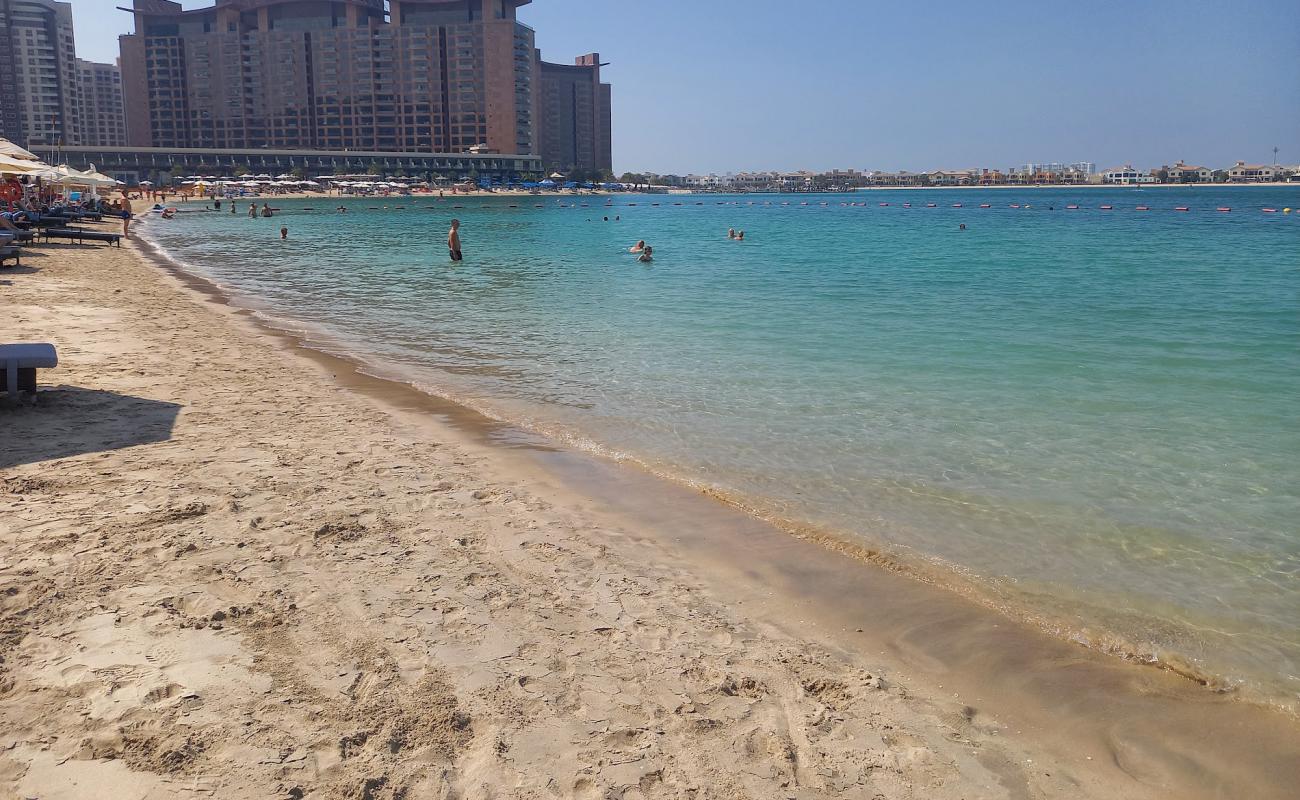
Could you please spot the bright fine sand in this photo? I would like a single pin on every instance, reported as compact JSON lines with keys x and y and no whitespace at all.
{"x":227,"y":574}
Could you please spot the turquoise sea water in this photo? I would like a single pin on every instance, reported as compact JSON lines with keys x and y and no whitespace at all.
{"x":1088,"y":416}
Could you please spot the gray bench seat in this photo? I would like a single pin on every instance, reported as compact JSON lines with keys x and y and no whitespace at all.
{"x":19,"y":362}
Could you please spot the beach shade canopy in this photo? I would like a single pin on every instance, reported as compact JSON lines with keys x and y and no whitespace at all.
{"x":146,"y":183}
{"x":548,"y":183}
{"x":71,"y":177}
{"x":555,"y":175}
{"x":8,"y":148}
{"x":20,"y":166}
{"x":100,"y":178}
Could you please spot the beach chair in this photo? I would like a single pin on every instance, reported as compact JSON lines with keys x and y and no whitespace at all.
{"x":82,"y":236}
{"x":13,"y":254}
{"x":19,"y":362}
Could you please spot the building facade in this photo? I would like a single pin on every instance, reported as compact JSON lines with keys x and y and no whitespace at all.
{"x":38,"y":93}
{"x":159,"y":164}
{"x":574,"y":116}
{"x":417,"y":76}
{"x":1241,"y":172}
{"x":1189,"y":173}
{"x":1126,"y":175}
{"x":101,"y":109}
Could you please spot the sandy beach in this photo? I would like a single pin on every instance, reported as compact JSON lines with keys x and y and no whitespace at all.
{"x":234,"y":570}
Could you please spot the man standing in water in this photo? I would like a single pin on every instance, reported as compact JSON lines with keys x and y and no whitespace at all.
{"x":453,"y":240}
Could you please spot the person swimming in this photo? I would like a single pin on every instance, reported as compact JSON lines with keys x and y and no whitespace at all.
{"x":740,"y":236}
{"x":266,"y":209}
{"x":731,"y":233}
{"x":646,"y":254}
{"x":284,"y":232}
{"x":638,"y":247}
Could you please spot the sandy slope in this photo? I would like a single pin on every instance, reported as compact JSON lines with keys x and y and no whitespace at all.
{"x":225,"y":576}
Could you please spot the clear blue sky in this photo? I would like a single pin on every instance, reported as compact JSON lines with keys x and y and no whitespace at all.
{"x":729,"y":85}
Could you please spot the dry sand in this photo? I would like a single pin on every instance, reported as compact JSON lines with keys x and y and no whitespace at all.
{"x":228,"y":576}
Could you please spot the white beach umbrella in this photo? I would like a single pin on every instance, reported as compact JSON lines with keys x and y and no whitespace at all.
{"x":20,"y":166}
{"x":8,"y":148}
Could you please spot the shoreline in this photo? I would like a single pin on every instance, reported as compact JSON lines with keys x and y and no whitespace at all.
{"x":1053,"y":617}
{"x":699,"y":537}
{"x":947,"y":580}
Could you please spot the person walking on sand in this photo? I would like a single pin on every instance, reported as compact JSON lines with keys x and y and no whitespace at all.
{"x":638,"y":247}
{"x":453,"y":240}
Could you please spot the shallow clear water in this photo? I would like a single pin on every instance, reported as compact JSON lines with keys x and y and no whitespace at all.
{"x":1089,"y":415}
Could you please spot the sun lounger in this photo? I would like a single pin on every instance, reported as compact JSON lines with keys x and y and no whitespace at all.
{"x":80,"y":236}
{"x":16,"y":237}
{"x":19,"y":362}
{"x":11,"y":254}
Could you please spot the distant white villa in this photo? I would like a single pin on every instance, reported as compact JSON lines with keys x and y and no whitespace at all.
{"x":1126,"y":175}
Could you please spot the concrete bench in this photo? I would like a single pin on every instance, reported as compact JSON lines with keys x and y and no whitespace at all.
{"x":19,"y":362}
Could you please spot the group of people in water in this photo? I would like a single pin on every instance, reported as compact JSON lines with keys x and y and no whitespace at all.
{"x":732,"y":233}
{"x":645,"y":250}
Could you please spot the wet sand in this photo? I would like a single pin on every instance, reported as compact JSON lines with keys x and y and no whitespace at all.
{"x":237,"y":568}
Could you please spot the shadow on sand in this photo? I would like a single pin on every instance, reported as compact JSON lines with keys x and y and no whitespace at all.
{"x":70,"y":421}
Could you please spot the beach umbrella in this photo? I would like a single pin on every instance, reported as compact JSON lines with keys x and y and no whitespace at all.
{"x":555,"y":175}
{"x":548,"y":183}
{"x":20,"y":166}
{"x":8,"y":148}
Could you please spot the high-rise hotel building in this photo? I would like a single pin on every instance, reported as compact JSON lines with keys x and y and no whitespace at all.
{"x":101,"y":112}
{"x":420,"y":76}
{"x":38,"y":73}
{"x":573,"y":113}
